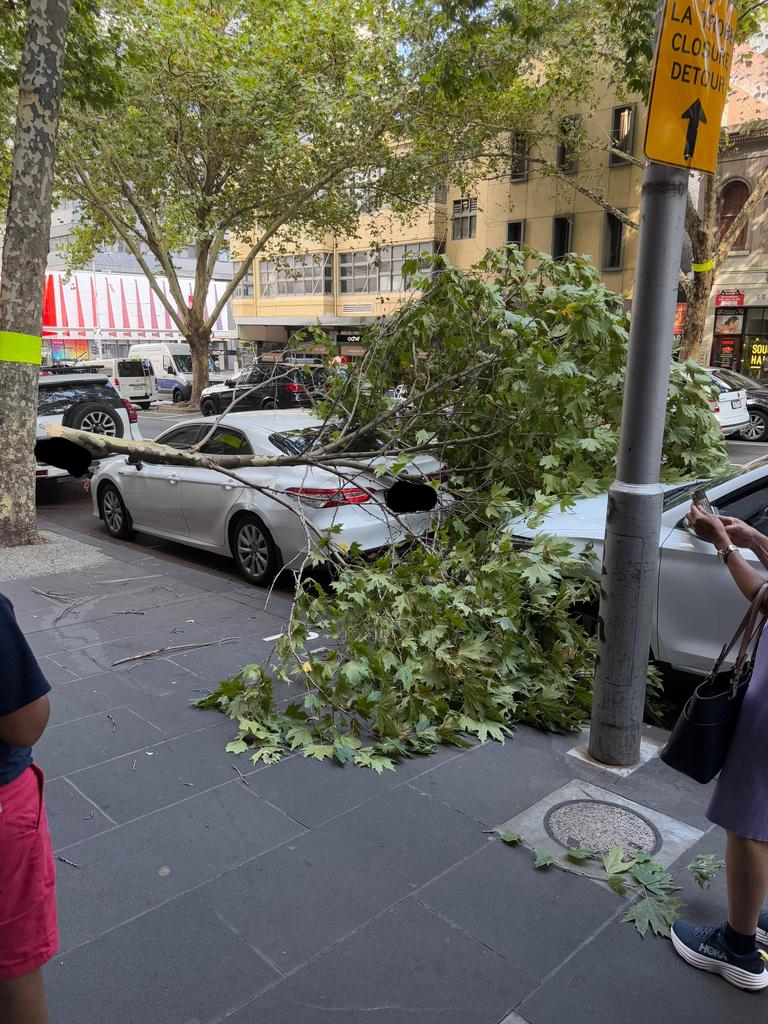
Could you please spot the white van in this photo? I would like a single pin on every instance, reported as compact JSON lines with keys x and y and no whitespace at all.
{"x":172,"y":365}
{"x":133,"y":379}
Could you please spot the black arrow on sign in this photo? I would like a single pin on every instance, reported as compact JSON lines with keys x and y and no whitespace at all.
{"x":695,"y":116}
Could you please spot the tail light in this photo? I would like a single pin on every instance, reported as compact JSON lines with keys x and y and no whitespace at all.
{"x":133,"y":416}
{"x":715,"y":407}
{"x":330,"y":497}
{"x":295,"y":388}
{"x":442,"y":476}
{"x":117,"y":382}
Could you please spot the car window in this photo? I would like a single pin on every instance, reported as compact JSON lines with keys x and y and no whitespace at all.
{"x":251,"y":377}
{"x":684,"y":493}
{"x":130,"y":368}
{"x":181,"y":437}
{"x":226,"y":441}
{"x":56,"y":399}
{"x":299,"y":442}
{"x":736,"y":381}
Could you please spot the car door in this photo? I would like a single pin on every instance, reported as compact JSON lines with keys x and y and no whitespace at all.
{"x":699,"y":605}
{"x":152,"y":494}
{"x":207,"y":496}
{"x":249,"y":393}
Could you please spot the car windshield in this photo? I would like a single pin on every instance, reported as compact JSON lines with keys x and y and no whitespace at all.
{"x":684,"y":492}
{"x":737,"y":381}
{"x":299,"y":442}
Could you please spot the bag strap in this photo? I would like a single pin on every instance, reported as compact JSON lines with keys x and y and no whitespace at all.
{"x":746,"y":630}
{"x":755,"y":622}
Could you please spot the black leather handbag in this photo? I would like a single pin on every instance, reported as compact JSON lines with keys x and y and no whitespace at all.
{"x":699,"y":742}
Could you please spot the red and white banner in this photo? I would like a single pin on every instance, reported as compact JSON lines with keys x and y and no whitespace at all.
{"x":119,"y":306}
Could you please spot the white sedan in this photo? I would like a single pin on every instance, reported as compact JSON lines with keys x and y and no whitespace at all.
{"x":263,"y":530}
{"x":697,"y":606}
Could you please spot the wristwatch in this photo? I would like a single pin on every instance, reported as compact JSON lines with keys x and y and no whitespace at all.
{"x":723,"y":553}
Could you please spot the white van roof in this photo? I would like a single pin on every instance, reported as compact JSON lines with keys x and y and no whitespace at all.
{"x":165,"y":346}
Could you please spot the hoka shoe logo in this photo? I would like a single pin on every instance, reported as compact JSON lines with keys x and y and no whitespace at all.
{"x":713,"y":951}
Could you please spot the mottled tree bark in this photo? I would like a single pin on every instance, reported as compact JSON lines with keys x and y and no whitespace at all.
{"x":25,"y":252}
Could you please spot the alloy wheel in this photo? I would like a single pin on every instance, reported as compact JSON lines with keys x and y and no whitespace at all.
{"x":99,"y":423}
{"x":755,"y":430}
{"x":113,"y":511}
{"x":252,"y":549}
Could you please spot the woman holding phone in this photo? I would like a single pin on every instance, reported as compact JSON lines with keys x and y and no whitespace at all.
{"x":740,"y":800}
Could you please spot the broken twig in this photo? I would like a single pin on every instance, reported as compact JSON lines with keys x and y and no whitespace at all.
{"x":242,"y":777}
{"x":65,"y":861}
{"x":173,"y":650}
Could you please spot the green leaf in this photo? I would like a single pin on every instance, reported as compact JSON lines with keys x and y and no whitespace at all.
{"x":543,"y":860}
{"x":614,"y":862}
{"x":511,"y":838}
{"x":705,"y":868}
{"x":617,"y":884}
{"x":654,"y":913}
{"x":236,"y":747}
{"x":579,"y":855}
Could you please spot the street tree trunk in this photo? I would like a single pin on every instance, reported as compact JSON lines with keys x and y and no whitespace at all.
{"x":199,"y":338}
{"x":25,"y":252}
{"x":701,"y":229}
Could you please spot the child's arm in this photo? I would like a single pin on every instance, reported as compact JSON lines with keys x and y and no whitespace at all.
{"x":23,"y":728}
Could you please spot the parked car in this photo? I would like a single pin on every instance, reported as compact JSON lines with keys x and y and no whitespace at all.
{"x":83,"y":401}
{"x":172,"y":365}
{"x":266,"y":386}
{"x":757,"y":403}
{"x":205,"y":509}
{"x":697,"y":605}
{"x":730,"y":407}
{"x":133,"y":379}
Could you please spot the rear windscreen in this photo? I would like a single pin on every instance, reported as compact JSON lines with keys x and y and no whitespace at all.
{"x":130,"y":368}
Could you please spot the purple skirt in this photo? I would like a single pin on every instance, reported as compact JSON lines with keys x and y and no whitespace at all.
{"x":740,"y":801}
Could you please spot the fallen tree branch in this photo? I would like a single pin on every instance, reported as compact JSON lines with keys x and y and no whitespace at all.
{"x":173,"y":650}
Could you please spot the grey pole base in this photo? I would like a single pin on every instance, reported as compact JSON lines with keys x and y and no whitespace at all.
{"x":627,"y":584}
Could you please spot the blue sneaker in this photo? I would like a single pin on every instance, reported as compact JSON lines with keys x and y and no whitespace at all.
{"x":762,"y":928}
{"x":705,"y":948}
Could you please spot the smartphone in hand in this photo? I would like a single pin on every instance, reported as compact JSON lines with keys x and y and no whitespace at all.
{"x":701,"y":501}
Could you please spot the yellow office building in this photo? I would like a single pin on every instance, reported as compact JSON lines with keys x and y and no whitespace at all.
{"x":544,"y":201}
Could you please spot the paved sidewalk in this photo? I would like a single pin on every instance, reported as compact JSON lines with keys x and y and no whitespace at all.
{"x":313,"y":893}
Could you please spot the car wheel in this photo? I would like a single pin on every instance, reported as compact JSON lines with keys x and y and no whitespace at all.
{"x":269,"y":403}
{"x":177,"y":396}
{"x":116,"y":516}
{"x":209,"y":407}
{"x":143,"y":405}
{"x":254,"y":550}
{"x":95,"y":418}
{"x":758,"y":426}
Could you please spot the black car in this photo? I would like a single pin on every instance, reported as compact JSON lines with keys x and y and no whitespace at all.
{"x":266,"y":386}
{"x":757,"y":403}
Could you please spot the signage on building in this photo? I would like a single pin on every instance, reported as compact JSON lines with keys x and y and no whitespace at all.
{"x":729,"y":323}
{"x":730,"y":298}
{"x":680,"y":311}
{"x":690,"y":83}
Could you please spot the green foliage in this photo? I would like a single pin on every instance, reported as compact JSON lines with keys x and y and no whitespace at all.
{"x":705,"y":868}
{"x":469,"y":632}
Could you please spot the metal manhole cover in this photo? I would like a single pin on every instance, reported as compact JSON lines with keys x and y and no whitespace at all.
{"x":597,"y":826}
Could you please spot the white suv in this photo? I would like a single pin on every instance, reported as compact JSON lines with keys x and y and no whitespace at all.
{"x":83,"y":401}
{"x":730,"y":407}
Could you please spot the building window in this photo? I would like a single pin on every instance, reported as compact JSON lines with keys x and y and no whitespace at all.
{"x":732,"y":198}
{"x":364,"y":273}
{"x":515,"y":232}
{"x":613,"y":243}
{"x":622,"y":133}
{"x":566,"y":157}
{"x":562,"y":229}
{"x":441,"y":193}
{"x":464,"y":218}
{"x":244,"y":290}
{"x":518,"y":147}
{"x":309,"y":274}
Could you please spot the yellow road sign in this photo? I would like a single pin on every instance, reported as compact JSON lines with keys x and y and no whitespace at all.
{"x":690,"y":83}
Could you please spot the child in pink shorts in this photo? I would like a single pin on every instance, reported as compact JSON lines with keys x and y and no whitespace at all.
{"x":28,"y":929}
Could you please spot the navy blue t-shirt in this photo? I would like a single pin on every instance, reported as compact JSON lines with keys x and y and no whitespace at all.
{"x":21,"y":682}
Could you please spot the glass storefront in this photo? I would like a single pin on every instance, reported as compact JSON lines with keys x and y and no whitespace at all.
{"x":740,"y":340}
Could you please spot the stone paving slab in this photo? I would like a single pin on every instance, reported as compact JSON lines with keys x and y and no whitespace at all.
{"x":150,"y":971}
{"x":407,"y":965}
{"x":330,"y":881}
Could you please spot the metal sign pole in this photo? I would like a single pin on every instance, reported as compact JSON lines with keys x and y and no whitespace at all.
{"x":631,"y":554}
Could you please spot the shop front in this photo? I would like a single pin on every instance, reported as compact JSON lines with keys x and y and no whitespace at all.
{"x":740,"y":336}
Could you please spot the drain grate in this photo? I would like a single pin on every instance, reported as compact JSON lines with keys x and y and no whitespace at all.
{"x":598,"y":825}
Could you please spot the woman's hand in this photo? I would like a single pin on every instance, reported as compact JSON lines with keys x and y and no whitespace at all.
{"x":738,"y":532}
{"x":707,"y":527}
